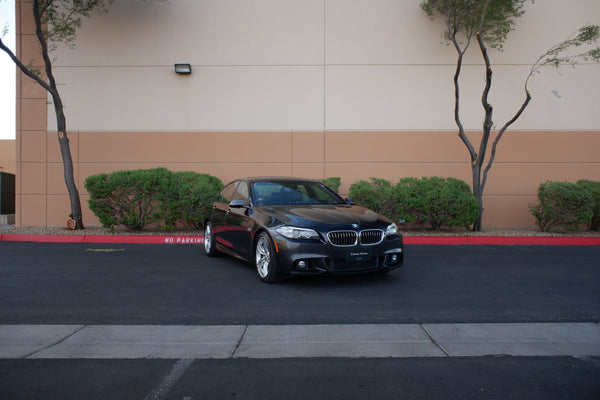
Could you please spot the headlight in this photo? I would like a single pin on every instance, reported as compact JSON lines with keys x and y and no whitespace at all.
{"x":292,"y":232}
{"x":392,"y":229}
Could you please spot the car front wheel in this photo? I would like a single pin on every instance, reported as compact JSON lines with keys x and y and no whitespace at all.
{"x":209,"y":241}
{"x":265,"y":259}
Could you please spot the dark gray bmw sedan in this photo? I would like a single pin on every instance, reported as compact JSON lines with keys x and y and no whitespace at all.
{"x":291,"y":226}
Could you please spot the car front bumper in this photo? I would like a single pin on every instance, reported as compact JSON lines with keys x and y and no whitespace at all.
{"x":313,"y":258}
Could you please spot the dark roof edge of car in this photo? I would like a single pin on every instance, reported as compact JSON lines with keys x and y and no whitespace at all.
{"x":276,"y":178}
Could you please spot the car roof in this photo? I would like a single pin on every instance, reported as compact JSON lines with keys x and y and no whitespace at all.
{"x":275,"y":179}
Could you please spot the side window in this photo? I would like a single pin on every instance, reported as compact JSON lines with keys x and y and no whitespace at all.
{"x":226,"y":195}
{"x":242,"y":192}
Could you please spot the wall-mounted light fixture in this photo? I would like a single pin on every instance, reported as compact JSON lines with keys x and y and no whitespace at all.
{"x":185,"y":69}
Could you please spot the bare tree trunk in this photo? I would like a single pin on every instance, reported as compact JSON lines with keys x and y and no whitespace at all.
{"x":65,"y":151}
{"x":478,"y":183}
{"x":479,"y":175}
{"x":478,"y":193}
{"x":476,"y":160}
{"x":61,"y":123}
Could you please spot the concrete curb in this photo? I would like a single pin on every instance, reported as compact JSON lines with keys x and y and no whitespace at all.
{"x":199,"y":239}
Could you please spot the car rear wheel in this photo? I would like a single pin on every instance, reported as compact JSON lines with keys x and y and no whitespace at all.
{"x":265,"y":259}
{"x":209,"y":241}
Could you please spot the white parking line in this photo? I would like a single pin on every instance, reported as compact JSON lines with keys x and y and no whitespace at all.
{"x":165,"y":386}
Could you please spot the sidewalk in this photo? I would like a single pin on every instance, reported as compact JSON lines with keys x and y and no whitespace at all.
{"x":299,"y":341}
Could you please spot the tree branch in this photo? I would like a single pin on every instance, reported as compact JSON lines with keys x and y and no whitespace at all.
{"x":483,"y":14}
{"x":58,"y":106}
{"x":488,"y":123}
{"x":501,"y":132}
{"x":461,"y":129}
{"x":24,"y":68}
{"x":43,"y":43}
{"x":46,"y":6}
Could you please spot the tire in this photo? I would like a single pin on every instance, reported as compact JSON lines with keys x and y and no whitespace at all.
{"x":209,"y":241}
{"x":264,"y":256}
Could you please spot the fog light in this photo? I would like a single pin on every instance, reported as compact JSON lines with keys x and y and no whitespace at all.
{"x":302,"y":264}
{"x":394,"y":258}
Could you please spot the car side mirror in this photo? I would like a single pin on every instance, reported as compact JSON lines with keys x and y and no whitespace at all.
{"x":238,"y":203}
{"x":351,"y":202}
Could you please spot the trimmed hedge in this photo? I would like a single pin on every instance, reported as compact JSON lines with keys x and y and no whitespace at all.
{"x":593,"y":188}
{"x":562,"y":205}
{"x":378,"y":195}
{"x":438,"y":202}
{"x":139,"y":198}
{"x":332,"y":182}
{"x":196,"y":194}
{"x":435,"y":201}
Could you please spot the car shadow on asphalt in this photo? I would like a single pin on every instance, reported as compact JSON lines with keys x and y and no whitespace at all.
{"x":325,"y":280}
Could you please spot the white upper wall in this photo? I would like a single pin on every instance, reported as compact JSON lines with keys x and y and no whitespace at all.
{"x":311,"y":65}
{"x":201,"y":32}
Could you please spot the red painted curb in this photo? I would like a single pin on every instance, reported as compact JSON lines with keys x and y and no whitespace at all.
{"x":134,"y":239}
{"x":197,"y":240}
{"x":535,"y":240}
{"x":435,"y":240}
{"x":505,"y":240}
{"x":42,"y":238}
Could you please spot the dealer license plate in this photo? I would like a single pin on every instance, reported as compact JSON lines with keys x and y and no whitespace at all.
{"x":356,"y":254}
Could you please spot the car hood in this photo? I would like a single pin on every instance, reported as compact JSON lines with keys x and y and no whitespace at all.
{"x":306,"y":216}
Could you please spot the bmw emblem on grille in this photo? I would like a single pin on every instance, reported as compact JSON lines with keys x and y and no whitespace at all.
{"x":355,"y":226}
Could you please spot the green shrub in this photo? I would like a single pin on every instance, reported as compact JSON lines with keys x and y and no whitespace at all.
{"x":593,"y":188}
{"x":363,"y":194}
{"x":562,"y":205}
{"x":333,"y":183}
{"x":196,"y":193}
{"x":139,"y":198}
{"x":435,"y":201}
{"x":99,"y":191}
{"x":127,"y":198}
{"x":378,"y":195}
{"x":167,"y":202}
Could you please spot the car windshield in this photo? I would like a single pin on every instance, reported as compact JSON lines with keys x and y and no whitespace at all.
{"x":295,"y":192}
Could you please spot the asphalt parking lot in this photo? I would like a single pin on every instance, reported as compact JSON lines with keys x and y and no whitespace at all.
{"x":482,"y":294}
{"x":178,"y":285}
{"x":531,"y":378}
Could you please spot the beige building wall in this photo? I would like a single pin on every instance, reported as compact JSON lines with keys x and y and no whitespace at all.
{"x":7,"y":156}
{"x":313,"y":88}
